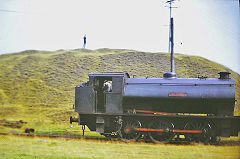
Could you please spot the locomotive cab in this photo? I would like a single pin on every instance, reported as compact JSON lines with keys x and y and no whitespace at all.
{"x":101,"y":95}
{"x":96,"y":96}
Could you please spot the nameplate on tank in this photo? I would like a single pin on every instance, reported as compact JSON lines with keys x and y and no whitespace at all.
{"x":177,"y":94}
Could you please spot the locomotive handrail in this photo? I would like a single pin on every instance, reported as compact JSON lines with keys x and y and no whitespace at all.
{"x":181,"y":84}
{"x":150,"y":112}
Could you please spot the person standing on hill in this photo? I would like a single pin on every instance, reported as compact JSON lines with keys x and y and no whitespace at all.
{"x":84,"y":41}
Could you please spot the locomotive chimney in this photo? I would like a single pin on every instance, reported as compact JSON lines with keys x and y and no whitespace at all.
{"x":172,"y":46}
{"x":224,"y":75}
{"x":172,"y":74}
{"x":169,"y":75}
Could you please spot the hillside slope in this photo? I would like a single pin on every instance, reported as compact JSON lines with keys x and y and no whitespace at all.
{"x":39,"y":85}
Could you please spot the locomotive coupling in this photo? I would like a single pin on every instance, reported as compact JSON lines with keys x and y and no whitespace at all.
{"x":74,"y":120}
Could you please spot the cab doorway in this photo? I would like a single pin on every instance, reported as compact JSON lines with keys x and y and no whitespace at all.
{"x":102,"y":85}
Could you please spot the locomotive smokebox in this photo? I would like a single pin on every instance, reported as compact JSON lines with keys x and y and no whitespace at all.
{"x":224,"y":75}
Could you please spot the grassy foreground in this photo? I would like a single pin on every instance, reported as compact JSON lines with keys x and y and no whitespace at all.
{"x":35,"y":147}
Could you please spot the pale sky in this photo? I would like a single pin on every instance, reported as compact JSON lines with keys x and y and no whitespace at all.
{"x":207,"y":28}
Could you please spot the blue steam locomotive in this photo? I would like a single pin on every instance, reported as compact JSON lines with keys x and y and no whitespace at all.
{"x":157,"y":109}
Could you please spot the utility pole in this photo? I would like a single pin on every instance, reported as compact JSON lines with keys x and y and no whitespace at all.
{"x":171,"y":36}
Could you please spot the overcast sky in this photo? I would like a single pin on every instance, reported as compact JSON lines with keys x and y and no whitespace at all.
{"x":207,"y":28}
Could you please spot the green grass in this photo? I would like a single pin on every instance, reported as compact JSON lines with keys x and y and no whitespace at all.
{"x":38,"y":86}
{"x":35,"y":147}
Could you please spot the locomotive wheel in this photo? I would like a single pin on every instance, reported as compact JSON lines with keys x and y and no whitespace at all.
{"x":128,"y":132}
{"x":161,"y":137}
{"x":205,"y":136}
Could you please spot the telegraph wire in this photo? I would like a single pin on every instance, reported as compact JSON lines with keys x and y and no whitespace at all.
{"x":12,"y":11}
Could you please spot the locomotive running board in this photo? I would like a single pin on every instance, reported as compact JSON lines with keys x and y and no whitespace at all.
{"x":165,"y":130}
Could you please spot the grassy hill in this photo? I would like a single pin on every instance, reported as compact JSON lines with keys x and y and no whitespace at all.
{"x":38,"y":86}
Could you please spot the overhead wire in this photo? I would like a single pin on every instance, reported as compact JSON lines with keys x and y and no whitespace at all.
{"x":11,"y":11}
